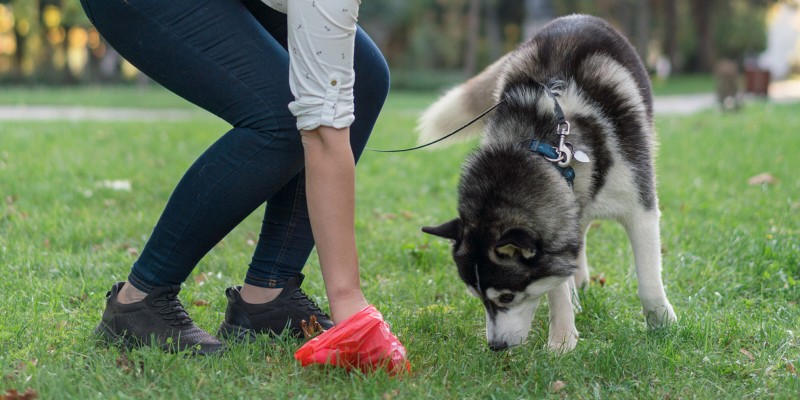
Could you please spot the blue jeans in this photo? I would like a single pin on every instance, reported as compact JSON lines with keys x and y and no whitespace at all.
{"x":229,"y":57}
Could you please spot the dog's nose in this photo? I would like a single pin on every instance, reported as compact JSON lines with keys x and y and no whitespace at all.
{"x":498,"y":346}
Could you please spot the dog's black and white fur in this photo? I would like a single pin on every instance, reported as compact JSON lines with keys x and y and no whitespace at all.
{"x":521,"y":225}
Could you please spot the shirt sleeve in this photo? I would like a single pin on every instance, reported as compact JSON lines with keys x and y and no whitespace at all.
{"x":321,"y":37}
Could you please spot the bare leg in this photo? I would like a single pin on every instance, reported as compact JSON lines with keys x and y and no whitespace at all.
{"x":330,"y":189}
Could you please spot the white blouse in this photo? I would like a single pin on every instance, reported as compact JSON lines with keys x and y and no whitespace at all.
{"x":321,"y":40}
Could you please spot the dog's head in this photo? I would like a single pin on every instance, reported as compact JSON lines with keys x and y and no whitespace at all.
{"x":516,"y":237}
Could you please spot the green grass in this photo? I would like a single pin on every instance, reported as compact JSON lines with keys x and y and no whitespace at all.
{"x":151,"y":96}
{"x":731,"y":256}
{"x":154,"y":96}
{"x":683,"y":84}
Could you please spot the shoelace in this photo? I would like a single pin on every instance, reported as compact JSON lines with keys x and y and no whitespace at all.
{"x":172,"y":310}
{"x":304,"y":300}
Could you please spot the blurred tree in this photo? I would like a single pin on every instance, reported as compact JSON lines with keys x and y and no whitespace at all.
{"x":670,"y":39}
{"x":493,"y":31}
{"x":473,"y":31}
{"x":643,"y":33}
{"x":703,"y":17}
{"x":53,"y":41}
{"x":537,"y":14}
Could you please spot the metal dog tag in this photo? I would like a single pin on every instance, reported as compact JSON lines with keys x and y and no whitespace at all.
{"x":580,"y":156}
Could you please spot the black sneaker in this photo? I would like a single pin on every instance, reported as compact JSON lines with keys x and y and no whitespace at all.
{"x":243,"y":321}
{"x":159,"y":320}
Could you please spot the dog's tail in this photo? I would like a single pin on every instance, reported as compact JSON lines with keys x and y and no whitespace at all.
{"x":459,"y":106}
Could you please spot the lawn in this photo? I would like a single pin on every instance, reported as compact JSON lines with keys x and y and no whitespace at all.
{"x":731,"y":265}
{"x":153,"y":96}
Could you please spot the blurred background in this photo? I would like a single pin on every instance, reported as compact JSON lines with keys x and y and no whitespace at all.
{"x":434,"y":43}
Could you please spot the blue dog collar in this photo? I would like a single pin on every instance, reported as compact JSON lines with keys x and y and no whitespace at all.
{"x":549,"y":153}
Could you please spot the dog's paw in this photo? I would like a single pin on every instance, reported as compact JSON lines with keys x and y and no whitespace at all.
{"x":564,"y":341}
{"x":581,"y":277}
{"x":574,"y":297}
{"x":659,"y":316}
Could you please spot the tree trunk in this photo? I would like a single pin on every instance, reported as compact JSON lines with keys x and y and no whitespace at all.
{"x":493,"y":34}
{"x":537,"y":14}
{"x":19,"y":56}
{"x":473,"y":30}
{"x":702,"y":12}
{"x":671,"y":32}
{"x":643,"y":28}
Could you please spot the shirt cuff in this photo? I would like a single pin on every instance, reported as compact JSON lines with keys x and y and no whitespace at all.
{"x":335,"y":109}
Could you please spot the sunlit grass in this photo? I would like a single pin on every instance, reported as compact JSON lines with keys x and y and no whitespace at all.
{"x":731,"y":265}
{"x":155,"y":97}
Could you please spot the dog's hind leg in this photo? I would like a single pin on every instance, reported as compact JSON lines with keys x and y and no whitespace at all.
{"x":581,"y":277}
{"x":642,"y":227}
{"x":563,"y":335}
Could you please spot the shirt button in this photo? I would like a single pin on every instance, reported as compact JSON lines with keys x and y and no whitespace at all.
{"x":333,"y":82}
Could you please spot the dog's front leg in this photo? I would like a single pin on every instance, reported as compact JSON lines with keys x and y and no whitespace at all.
{"x":645,"y":238}
{"x":563,"y":336}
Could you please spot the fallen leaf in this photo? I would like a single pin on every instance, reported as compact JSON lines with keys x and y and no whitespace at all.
{"x":790,"y":367}
{"x":126,"y":365}
{"x":132,"y":251}
{"x":201,"y":303}
{"x":761,"y":179}
{"x":598,"y":279}
{"x":312,"y":328}
{"x":24,"y":364}
{"x":201,"y":278}
{"x":557,"y":386}
{"x":747,"y":353}
{"x":75,"y":300}
{"x":13,"y":394}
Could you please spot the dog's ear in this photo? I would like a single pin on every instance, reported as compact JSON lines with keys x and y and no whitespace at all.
{"x":448,"y":230}
{"x":516,"y":242}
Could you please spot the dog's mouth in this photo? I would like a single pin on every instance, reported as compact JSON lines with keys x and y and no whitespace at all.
{"x":508,"y":326}
{"x":509,"y":313}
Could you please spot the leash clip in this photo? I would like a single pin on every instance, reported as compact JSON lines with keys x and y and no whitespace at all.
{"x":563,"y":150}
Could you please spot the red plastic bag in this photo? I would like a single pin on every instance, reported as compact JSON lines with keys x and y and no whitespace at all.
{"x":363,"y":341}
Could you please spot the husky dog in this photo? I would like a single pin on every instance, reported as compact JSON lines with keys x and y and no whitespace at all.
{"x":571,"y":141}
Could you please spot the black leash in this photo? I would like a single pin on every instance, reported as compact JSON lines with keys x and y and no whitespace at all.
{"x":557,"y":112}
{"x":444,"y":137}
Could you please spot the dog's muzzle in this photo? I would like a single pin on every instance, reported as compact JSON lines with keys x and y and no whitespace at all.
{"x":498,"y":346}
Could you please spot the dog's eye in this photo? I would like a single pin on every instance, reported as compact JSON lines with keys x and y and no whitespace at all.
{"x":505,"y":298}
